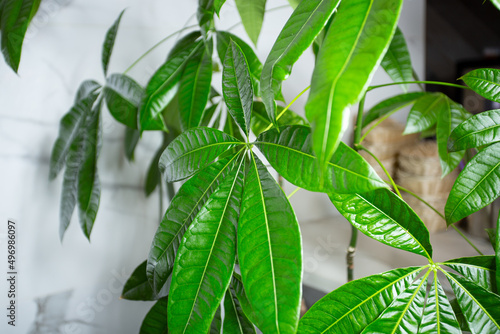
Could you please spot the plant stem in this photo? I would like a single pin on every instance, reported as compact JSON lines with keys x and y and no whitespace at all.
{"x":442,"y":216}
{"x":293,"y":192}
{"x":287,"y":107}
{"x":418,"y":82}
{"x":157,"y":45}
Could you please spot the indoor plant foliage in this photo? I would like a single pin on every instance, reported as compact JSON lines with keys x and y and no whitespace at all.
{"x":227,"y":253}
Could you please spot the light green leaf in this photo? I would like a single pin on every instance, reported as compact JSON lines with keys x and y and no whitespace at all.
{"x":109,"y":43}
{"x":479,"y":306}
{"x":353,"y":306}
{"x":155,"y":321}
{"x":397,"y":61}
{"x":290,"y":153}
{"x":237,"y":87}
{"x":404,"y":313}
{"x":390,"y":106}
{"x":297,"y":35}
{"x":137,"y":286}
{"x":195,"y":88}
{"x":269,"y":252}
{"x":425,"y":112}
{"x":294,"y":3}
{"x":252,"y":16}
{"x":218,"y":5}
{"x":477,"y":185}
{"x":216,"y":325}
{"x":206,"y":259}
{"x":480,"y":129}
{"x":235,"y":320}
{"x":193,"y":150}
{"x":496,"y":3}
{"x":260,"y":122}
{"x":123,"y":97}
{"x":438,"y":316}
{"x":480,"y":269}
{"x":385,"y":217}
{"x":485,"y":82}
{"x":16,"y":16}
{"x":182,"y":210}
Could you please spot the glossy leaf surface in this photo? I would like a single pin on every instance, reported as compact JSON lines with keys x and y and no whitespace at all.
{"x":218,"y":5}
{"x":485,"y":82}
{"x":477,"y":185}
{"x":260,"y":122}
{"x":480,"y":129}
{"x":290,"y":153}
{"x":206,"y":259}
{"x":155,"y":321}
{"x":109,"y":43}
{"x":397,"y":61}
{"x":385,"y":217}
{"x":296,"y":36}
{"x":353,"y":306}
{"x":192,"y":150}
{"x":235,"y":320}
{"x":123,"y":97}
{"x":269,"y":252}
{"x":252,"y":16}
{"x":351,"y":52}
{"x":425,"y":111}
{"x":479,"y":269}
{"x":390,"y":106}
{"x":137,"y":286}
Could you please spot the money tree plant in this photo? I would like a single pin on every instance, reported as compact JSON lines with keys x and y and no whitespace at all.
{"x":227,"y":255}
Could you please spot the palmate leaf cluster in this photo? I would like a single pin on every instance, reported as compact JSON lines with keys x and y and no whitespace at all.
{"x":227,"y":255}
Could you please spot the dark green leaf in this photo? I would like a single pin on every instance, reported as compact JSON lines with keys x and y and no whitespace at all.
{"x":477,"y":185}
{"x":123,"y":97}
{"x":404,"y":313}
{"x":206,"y":259}
{"x":183,"y":208}
{"x":397,"y":61}
{"x":153,"y":176}
{"x":438,"y":316}
{"x":137,"y":286}
{"x":385,"y":217}
{"x":485,"y":82}
{"x":109,"y":43}
{"x":195,"y":88}
{"x":155,"y":321}
{"x":239,"y":292}
{"x":205,"y":15}
{"x":235,"y":320}
{"x":353,"y":306}
{"x":232,"y":129}
{"x":459,"y":315}
{"x":86,"y":88}
{"x":425,"y":112}
{"x":349,"y":56}
{"x":479,"y":306}
{"x":193,"y":150}
{"x":297,"y":35}
{"x":492,"y":236}
{"x":290,"y":153}
{"x":237,"y":87}
{"x":16,"y":16}
{"x":252,"y":16}
{"x":390,"y":106}
{"x":481,"y":129}
{"x":269,"y":252}
{"x":497,"y":253}
{"x":261,"y":123}
{"x":132,"y":137}
{"x":216,"y":325}
{"x":480,"y":269}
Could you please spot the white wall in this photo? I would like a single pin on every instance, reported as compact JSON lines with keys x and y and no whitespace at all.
{"x":62,"y":49}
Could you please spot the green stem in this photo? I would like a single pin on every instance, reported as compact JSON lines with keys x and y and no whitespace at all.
{"x":157,"y":45}
{"x":294,"y":192}
{"x":467,"y":239}
{"x":287,"y":107}
{"x":418,"y":82}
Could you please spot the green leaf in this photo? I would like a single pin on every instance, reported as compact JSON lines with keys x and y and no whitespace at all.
{"x":290,"y":153}
{"x":132,"y":137}
{"x":252,"y":16}
{"x":497,"y":253}
{"x":349,"y":56}
{"x":195,"y":88}
{"x":485,"y":82}
{"x":397,"y":61}
{"x":137,"y":286}
{"x":496,"y":3}
{"x":297,"y":35}
{"x":237,"y":87}
{"x":70,"y":125}
{"x":425,"y":112}
{"x":235,"y":320}
{"x":479,"y":306}
{"x":193,"y":150}
{"x":16,"y":16}
{"x":232,"y":129}
{"x":261,"y":123}
{"x":218,"y":5}
{"x":153,"y":176}
{"x":492,"y":237}
{"x":162,"y":86}
{"x":404,"y":313}
{"x":385,"y":217}
{"x":464,"y":326}
{"x":294,"y":3}
{"x":216,"y":325}
{"x":448,"y":118}
{"x":353,"y":306}
{"x":269,"y":252}
{"x":390,"y":106}
{"x":109,"y":43}
{"x":240,"y":293}
{"x":480,"y":269}
{"x":123,"y":97}
{"x":438,"y":316}
{"x":206,"y":259}
{"x":481,"y":129}
{"x":477,"y":185}
{"x":155,"y":321}
{"x":183,"y":208}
